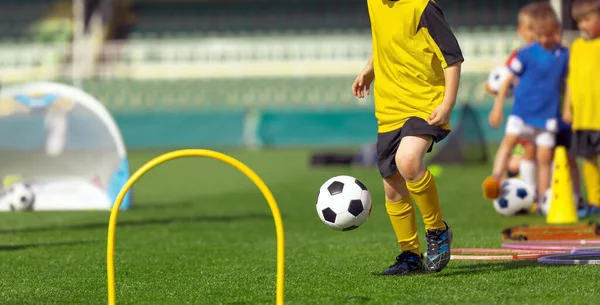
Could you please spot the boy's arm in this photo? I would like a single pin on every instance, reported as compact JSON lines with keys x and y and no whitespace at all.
{"x":369,"y":66}
{"x":446,"y":47}
{"x":567,"y":114}
{"x":495,"y":117}
{"x":452,"y":74}
{"x":362,"y":83}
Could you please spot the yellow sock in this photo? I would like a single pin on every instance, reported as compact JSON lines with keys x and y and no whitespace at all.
{"x":591,"y":173}
{"x":425,"y":194}
{"x":402,"y":215}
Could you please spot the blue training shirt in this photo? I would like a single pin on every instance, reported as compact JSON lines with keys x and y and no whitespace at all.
{"x":541,"y":75}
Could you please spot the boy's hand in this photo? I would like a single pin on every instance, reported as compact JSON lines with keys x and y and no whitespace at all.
{"x":489,"y":90}
{"x":495,"y":117}
{"x":362,"y":83}
{"x":567,"y":116}
{"x":440,"y":115}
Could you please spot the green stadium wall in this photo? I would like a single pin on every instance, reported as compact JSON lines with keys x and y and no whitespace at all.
{"x":267,"y":128}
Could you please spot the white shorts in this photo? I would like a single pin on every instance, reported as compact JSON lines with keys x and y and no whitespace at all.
{"x":541,"y":137}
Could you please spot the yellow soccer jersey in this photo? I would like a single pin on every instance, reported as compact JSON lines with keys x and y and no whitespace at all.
{"x":412,"y":44}
{"x":584,"y":88}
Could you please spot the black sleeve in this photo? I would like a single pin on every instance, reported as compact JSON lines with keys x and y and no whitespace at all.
{"x":433,"y":19}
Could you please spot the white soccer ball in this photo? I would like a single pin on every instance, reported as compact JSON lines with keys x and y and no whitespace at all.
{"x":547,"y":202}
{"x":343,"y":203}
{"x":516,"y":197}
{"x":497,"y":78}
{"x":20,"y":197}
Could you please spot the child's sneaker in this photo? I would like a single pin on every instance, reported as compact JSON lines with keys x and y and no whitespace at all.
{"x":582,"y":208}
{"x":593,"y":210}
{"x":438,"y":248}
{"x":406,"y":263}
{"x":491,"y":188}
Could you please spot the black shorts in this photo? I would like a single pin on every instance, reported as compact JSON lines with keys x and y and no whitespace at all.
{"x":387,"y":142}
{"x":585,"y":143}
{"x":564,"y":138}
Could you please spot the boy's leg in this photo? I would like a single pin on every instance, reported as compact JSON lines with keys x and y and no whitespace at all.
{"x":491,"y":185}
{"x":545,"y":142}
{"x":514,"y":127}
{"x":421,"y":185}
{"x":591,"y":173}
{"x":527,"y":170}
{"x":399,"y":206}
{"x":514,"y":165}
{"x":586,"y":144}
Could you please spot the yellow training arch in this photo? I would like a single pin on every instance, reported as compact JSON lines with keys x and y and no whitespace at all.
{"x":110,"y":258}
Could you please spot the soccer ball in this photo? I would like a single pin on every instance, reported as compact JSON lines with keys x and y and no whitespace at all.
{"x":343,"y":203}
{"x":516,"y":197}
{"x":497,"y":78}
{"x":547,"y":201}
{"x":20,"y":197}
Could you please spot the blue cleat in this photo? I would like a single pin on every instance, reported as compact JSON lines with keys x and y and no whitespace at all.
{"x":406,"y":263}
{"x":582,"y":208}
{"x":438,"y":249}
{"x":593,"y":210}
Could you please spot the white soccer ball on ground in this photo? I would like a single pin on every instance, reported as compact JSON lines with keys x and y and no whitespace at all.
{"x":343,"y":203}
{"x":516,"y":197}
{"x":547,"y":202}
{"x":497,"y":78}
{"x":20,"y":197}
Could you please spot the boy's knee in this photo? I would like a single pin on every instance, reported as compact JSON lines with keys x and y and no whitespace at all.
{"x":544,"y":155}
{"x":395,"y":188}
{"x":510,"y":141}
{"x":410,"y":165}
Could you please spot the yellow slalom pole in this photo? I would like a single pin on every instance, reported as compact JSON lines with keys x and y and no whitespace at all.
{"x":110,"y":253}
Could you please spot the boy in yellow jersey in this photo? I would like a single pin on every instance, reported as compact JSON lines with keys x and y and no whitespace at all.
{"x":416,"y":63}
{"x":582,"y":104}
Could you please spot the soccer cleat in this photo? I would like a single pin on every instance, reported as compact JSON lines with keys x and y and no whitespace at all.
{"x":593,"y":210}
{"x":406,"y":263}
{"x":582,"y":208}
{"x":438,"y":248}
{"x":491,"y":188}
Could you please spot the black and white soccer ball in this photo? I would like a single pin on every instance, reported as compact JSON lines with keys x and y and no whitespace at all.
{"x":343,"y":203}
{"x":516,"y":197}
{"x":20,"y":197}
{"x":497,"y":77}
{"x":546,"y":202}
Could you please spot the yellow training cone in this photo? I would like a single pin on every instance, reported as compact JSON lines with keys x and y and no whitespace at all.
{"x":562,"y":207}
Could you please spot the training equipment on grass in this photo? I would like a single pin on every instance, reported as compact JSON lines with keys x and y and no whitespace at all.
{"x":64,"y":144}
{"x":264,"y":189}
{"x":563,"y":209}
{"x":575,"y":258}
{"x":516,"y":197}
{"x":497,"y":77}
{"x":553,"y":245}
{"x":343,"y":203}
{"x":497,"y":254}
{"x":19,"y":197}
{"x":552,"y":232}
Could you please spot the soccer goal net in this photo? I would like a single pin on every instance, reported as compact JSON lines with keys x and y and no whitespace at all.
{"x":64,"y":144}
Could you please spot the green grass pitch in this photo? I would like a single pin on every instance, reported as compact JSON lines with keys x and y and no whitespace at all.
{"x":201,"y":233}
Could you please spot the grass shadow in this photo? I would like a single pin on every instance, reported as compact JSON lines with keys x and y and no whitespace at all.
{"x":45,"y":245}
{"x":145,"y":222}
{"x":481,"y":268}
{"x":500,"y":266}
